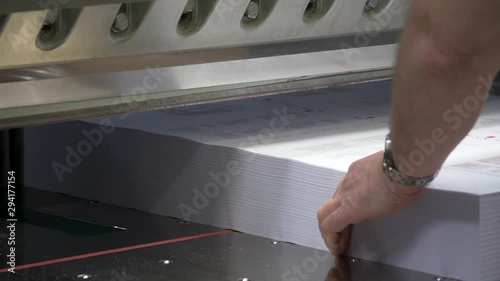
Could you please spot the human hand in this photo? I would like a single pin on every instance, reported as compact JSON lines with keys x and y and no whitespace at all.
{"x":365,"y":193}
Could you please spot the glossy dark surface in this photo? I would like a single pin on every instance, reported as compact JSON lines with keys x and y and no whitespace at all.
{"x":219,"y":255}
{"x":59,"y":226}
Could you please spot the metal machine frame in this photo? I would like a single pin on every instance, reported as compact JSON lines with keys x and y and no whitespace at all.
{"x":64,"y":60}
{"x":148,"y":55}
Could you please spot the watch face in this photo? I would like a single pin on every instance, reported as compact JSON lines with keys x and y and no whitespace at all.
{"x":388,"y":142}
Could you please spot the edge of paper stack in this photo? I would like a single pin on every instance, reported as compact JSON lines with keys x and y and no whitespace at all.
{"x":264,"y":166}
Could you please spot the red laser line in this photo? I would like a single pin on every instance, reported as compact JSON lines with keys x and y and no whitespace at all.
{"x":89,"y":255}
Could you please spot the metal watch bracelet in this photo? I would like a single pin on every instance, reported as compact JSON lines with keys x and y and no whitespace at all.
{"x":395,"y":175}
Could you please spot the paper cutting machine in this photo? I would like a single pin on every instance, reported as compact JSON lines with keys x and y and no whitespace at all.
{"x":63,"y":60}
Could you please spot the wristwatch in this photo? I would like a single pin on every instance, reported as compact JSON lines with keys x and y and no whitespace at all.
{"x":395,"y":175}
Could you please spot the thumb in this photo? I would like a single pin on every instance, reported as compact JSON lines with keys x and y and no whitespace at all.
{"x":341,"y":217}
{"x":339,"y":187}
{"x":331,"y":205}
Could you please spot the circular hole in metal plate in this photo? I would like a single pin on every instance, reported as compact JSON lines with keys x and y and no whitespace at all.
{"x":374,"y":7}
{"x":252,"y":11}
{"x":317,"y":9}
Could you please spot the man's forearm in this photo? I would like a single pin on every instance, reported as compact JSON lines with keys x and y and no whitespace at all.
{"x":448,"y":56}
{"x":439,"y":89}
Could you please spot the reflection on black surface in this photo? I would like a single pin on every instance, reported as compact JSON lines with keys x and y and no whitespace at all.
{"x":225,"y":256}
{"x":341,"y":271}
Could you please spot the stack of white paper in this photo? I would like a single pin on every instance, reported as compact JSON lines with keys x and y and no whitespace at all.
{"x":265,"y":165}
